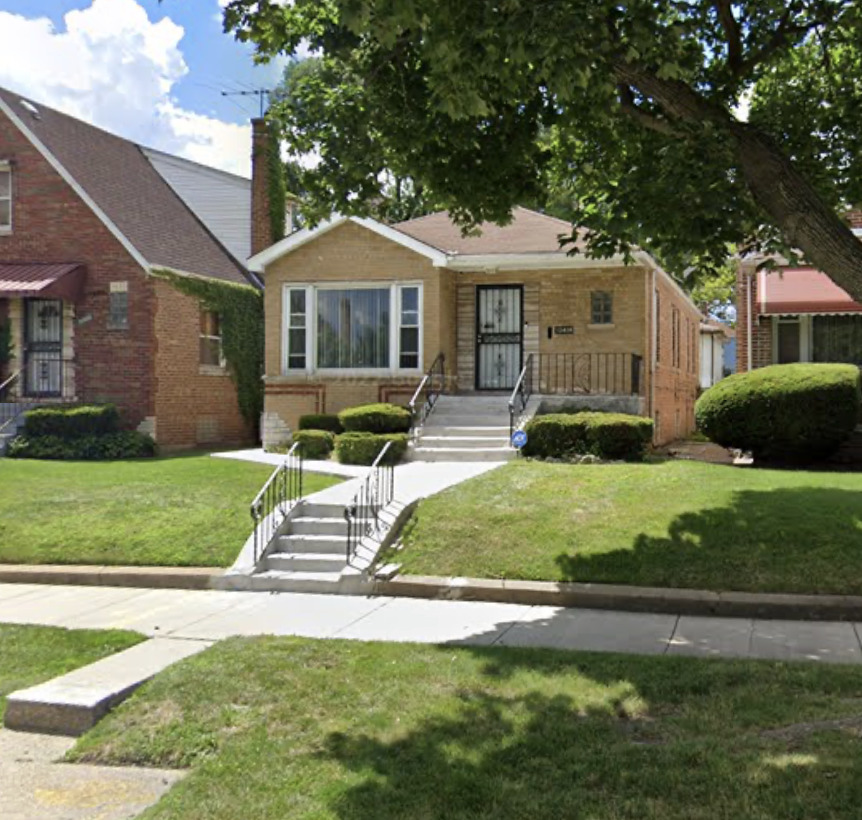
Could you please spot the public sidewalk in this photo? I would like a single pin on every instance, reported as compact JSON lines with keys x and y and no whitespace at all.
{"x":214,"y":615}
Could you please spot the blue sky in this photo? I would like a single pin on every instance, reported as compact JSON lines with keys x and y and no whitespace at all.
{"x":151,"y":71}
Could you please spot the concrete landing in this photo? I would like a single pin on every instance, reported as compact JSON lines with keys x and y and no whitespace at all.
{"x":35,"y":785}
{"x":75,"y":702}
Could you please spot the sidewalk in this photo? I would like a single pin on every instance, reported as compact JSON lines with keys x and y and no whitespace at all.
{"x":213,"y":615}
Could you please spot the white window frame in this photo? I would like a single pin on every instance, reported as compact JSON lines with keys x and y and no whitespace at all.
{"x":805,"y":336}
{"x":6,"y":168}
{"x":222,"y":362}
{"x":311,"y":291}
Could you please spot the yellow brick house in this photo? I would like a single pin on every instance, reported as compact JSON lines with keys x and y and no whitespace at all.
{"x":358,"y":311}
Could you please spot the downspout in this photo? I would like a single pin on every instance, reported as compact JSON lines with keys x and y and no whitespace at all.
{"x":750,"y":340}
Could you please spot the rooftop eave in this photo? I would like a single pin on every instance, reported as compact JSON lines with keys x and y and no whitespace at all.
{"x":528,"y":261}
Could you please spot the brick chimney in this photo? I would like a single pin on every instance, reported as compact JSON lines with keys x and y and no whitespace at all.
{"x":261,"y":229}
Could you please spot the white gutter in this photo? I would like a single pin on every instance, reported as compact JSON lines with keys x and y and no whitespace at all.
{"x":748,"y":351}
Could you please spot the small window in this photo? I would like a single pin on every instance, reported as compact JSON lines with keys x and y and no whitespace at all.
{"x":408,"y":349}
{"x":657,"y":326}
{"x":297,"y":324}
{"x":5,"y":196}
{"x":118,"y":306}
{"x":601,"y":308}
{"x":674,"y":329}
{"x":211,"y":350}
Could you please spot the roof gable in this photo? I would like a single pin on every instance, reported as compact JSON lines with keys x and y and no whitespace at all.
{"x":118,"y":182}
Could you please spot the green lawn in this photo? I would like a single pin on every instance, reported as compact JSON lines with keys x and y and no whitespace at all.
{"x":676,"y":523}
{"x":189,"y":510}
{"x":33,"y":654}
{"x":280,"y":728}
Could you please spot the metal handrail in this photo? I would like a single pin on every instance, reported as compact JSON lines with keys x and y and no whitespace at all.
{"x":8,"y":416}
{"x":427,"y":386}
{"x":282,"y":490}
{"x":376,"y":491}
{"x":521,"y":394}
{"x":16,"y":375}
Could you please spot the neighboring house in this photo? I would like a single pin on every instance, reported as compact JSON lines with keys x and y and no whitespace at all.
{"x":86,"y":219}
{"x":715,"y":338}
{"x":357,"y":311}
{"x":795,"y":314}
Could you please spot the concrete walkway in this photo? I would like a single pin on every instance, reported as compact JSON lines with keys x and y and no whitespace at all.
{"x":210,"y":616}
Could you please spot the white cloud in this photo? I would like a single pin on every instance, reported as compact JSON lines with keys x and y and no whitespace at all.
{"x":114,"y":67}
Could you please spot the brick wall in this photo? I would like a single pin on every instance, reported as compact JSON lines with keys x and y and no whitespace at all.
{"x":677,"y":363}
{"x":761,"y":329}
{"x":195,"y":404}
{"x":51,"y":224}
{"x":261,"y":227}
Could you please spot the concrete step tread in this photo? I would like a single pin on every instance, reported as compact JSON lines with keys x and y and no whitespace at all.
{"x":307,"y":556}
{"x":327,"y":578}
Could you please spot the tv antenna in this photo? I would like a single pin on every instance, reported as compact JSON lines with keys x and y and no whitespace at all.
{"x":261,"y":93}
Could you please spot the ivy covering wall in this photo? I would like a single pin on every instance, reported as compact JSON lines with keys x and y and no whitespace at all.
{"x":277,"y":185}
{"x":240,"y":309}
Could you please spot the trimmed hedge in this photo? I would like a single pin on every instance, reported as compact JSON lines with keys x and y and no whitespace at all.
{"x":363,"y":448}
{"x":314,"y":443}
{"x":375,"y":418}
{"x":606,"y":435}
{"x":127,"y":444}
{"x":321,"y":421}
{"x":70,"y":422}
{"x":792,"y":413}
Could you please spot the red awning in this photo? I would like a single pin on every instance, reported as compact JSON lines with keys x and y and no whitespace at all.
{"x":63,"y":280}
{"x":801,"y":290}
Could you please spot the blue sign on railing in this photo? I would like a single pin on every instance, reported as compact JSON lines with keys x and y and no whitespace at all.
{"x":519,"y":439}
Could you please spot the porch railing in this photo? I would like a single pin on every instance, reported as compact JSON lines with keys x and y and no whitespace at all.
{"x":45,"y":375}
{"x":8,"y":411}
{"x":282,"y":491}
{"x":520,"y":397}
{"x":618,"y":374}
{"x":376,"y":491}
{"x":428,"y":392}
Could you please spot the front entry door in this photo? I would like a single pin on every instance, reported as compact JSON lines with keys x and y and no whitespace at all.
{"x":499,"y":336}
{"x":43,"y":347}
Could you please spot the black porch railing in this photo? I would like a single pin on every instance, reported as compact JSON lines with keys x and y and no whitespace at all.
{"x":619,"y":374}
{"x":428,"y":392}
{"x":9,"y":410}
{"x":376,"y":491}
{"x":520,"y":397}
{"x":282,"y":491}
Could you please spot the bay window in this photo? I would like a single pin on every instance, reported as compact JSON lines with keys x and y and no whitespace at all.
{"x":352,"y":327}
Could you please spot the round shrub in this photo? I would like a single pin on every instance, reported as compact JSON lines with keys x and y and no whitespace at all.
{"x":314,"y":443}
{"x":375,"y":418}
{"x":793,"y":413}
{"x":606,"y":435}
{"x":321,"y":421}
{"x":363,"y":448}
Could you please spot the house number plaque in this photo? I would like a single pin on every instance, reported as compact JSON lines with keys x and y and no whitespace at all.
{"x":563,"y":330}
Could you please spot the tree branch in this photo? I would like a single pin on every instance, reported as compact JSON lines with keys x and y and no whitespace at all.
{"x":643,"y":117}
{"x":724,"y":9}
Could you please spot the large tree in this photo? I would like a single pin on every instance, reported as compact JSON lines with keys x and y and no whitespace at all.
{"x":627,"y":112}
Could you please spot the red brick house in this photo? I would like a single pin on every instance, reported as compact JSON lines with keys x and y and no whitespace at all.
{"x":87,"y":220}
{"x":795,"y":314}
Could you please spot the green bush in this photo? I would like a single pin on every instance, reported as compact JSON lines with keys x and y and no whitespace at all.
{"x":321,"y":421}
{"x":375,"y":418}
{"x":106,"y":447}
{"x":792,"y":413}
{"x":71,"y":422}
{"x":363,"y":448}
{"x":606,"y":435}
{"x":314,"y":443}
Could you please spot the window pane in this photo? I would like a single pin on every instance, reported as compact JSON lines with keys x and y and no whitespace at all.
{"x":601,"y":307}
{"x":118,"y":310}
{"x":353,"y":328}
{"x":837,"y":339}
{"x":788,"y":342}
{"x":297,"y":301}
{"x":409,"y":300}
{"x":5,"y":213}
{"x":5,"y":183}
{"x":410,"y":344}
{"x":210,"y":351}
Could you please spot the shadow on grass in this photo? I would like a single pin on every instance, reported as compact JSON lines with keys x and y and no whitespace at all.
{"x":634,"y":740}
{"x":806,"y":539}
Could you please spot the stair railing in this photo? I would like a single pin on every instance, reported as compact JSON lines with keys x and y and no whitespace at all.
{"x":426,"y":395}
{"x":8,"y":413}
{"x":376,"y":491}
{"x":520,"y":397}
{"x":282,"y":491}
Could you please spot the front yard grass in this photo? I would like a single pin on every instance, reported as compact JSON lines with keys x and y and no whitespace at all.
{"x":189,"y":510}
{"x":279,"y":728}
{"x":675,"y":524}
{"x":34,"y":654}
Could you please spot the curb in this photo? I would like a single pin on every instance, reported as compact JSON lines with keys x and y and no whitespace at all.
{"x":777,"y":606}
{"x":109,"y":576}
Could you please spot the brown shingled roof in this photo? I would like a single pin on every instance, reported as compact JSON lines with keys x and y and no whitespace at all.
{"x":119,"y":178}
{"x":528,"y":232}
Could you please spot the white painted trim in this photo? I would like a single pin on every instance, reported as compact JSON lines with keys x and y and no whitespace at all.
{"x":73,"y":184}
{"x":497,"y":262}
{"x":289,"y":244}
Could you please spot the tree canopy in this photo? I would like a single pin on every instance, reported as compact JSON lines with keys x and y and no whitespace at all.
{"x":628,"y":116}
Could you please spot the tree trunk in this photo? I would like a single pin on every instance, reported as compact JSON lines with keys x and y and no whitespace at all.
{"x":784,"y":194}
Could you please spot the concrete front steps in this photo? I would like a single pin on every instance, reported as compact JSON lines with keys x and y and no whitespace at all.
{"x":465,"y":428}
